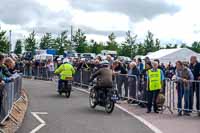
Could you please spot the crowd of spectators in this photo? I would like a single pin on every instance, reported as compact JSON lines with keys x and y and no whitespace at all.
{"x":134,"y":86}
{"x":7,"y":69}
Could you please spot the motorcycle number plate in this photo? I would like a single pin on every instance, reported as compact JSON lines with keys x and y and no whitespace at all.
{"x":114,"y":98}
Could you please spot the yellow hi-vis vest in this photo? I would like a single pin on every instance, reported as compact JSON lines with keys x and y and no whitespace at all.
{"x":66,"y":71}
{"x":154,"y":78}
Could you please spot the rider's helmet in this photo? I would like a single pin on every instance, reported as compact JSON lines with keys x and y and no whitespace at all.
{"x":66,"y":60}
{"x":105,"y":63}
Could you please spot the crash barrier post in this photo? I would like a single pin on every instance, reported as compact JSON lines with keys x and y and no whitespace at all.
{"x":10,"y":93}
{"x":38,"y":72}
{"x":82,"y":78}
{"x":86,"y":74}
{"x":131,"y":87}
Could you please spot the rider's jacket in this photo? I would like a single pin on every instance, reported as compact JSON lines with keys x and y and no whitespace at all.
{"x":66,"y":71}
{"x":104,"y":77}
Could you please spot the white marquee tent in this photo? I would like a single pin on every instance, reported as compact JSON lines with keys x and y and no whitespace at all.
{"x":172,"y":55}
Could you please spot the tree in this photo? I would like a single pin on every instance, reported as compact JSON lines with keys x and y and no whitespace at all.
{"x":46,"y":41}
{"x":170,"y":46}
{"x":141,"y":49}
{"x":149,"y":44}
{"x":80,"y":39}
{"x":157,"y":44}
{"x":18,"y":47}
{"x":125,"y":50}
{"x":30,"y":42}
{"x":62,"y":43}
{"x":183,"y":45}
{"x":196,"y":47}
{"x":4,"y":43}
{"x":96,"y":47}
{"x":111,"y":43}
{"x":130,"y":43}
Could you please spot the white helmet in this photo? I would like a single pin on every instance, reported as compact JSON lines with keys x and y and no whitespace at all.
{"x":105,"y":62}
{"x":66,"y":60}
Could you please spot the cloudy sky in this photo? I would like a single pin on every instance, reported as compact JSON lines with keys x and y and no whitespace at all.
{"x":169,"y":20}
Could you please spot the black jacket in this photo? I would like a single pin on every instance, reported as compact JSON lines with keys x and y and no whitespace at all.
{"x":195,"y":70}
{"x":135,"y":72}
{"x":104,"y":77}
{"x":122,"y":69}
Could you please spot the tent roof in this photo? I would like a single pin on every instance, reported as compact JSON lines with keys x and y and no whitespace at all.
{"x":162,"y":52}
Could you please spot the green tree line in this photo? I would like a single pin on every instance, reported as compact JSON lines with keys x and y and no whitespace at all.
{"x":130,"y":47}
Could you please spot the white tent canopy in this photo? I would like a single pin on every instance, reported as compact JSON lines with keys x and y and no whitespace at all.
{"x":172,"y":55}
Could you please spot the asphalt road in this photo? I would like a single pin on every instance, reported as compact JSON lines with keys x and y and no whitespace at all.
{"x":73,"y":115}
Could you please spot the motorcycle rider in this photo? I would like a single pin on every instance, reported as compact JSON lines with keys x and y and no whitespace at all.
{"x":66,"y":71}
{"x":104,"y":77}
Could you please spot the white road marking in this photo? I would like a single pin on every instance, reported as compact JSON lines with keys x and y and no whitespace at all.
{"x":43,"y":123}
{"x":145,"y":122}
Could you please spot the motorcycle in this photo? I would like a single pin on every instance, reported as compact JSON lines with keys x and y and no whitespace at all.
{"x":105,"y":97}
{"x":65,"y":87}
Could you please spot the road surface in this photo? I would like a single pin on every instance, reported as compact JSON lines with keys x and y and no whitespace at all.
{"x":73,"y":115}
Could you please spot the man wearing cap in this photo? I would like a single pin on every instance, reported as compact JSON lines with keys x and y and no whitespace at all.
{"x":66,"y":71}
{"x":155,"y":79}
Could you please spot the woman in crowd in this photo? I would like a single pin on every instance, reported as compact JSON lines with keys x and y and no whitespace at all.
{"x":10,"y":64}
{"x":133,"y":75}
{"x":183,"y":75}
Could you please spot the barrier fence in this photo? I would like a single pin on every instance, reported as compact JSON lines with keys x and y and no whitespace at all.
{"x":10,"y":93}
{"x":178,"y":95}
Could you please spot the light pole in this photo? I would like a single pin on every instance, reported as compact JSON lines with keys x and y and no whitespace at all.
{"x":71,"y":47}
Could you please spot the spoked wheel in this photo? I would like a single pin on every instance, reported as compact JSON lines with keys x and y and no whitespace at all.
{"x":92,"y":99}
{"x":110,"y":105}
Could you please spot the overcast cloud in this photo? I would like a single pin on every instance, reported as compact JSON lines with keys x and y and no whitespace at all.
{"x":167,"y":19}
{"x":135,"y":9}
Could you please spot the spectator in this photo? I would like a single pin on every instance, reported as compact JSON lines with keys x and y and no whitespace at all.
{"x":10,"y":64}
{"x":161,"y":67}
{"x":183,"y":74}
{"x":195,"y":68}
{"x":121,"y":78}
{"x":133,"y":75}
{"x":109,"y":59}
{"x":155,"y":78}
{"x":51,"y":69}
{"x":3,"y":68}
{"x":142,"y":85}
{"x":140,"y":65}
{"x":170,"y":71}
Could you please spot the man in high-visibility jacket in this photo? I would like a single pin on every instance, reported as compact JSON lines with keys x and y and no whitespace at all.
{"x":155,"y":78}
{"x":66,"y":71}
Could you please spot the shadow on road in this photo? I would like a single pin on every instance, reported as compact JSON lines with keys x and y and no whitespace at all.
{"x":90,"y":111}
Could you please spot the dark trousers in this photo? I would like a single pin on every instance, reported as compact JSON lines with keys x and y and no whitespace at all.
{"x":120,"y":81}
{"x":152,"y":98}
{"x":132,"y":88}
{"x":195,"y":89}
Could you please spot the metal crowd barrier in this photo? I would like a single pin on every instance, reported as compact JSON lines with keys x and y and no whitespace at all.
{"x":10,"y":93}
{"x":134,"y":88}
{"x":184,"y":96}
{"x":39,"y":72}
